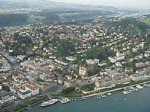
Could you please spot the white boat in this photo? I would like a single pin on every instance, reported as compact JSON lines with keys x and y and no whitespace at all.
{"x":136,"y":89}
{"x":103,"y":95}
{"x":99,"y":97}
{"x":83,"y":98}
{"x":125,"y":92}
{"x":145,"y":85}
{"x":64,"y":100}
{"x":139,"y":87}
{"x":49,"y":102}
{"x":109,"y":94}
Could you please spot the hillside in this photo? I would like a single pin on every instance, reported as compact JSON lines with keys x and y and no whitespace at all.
{"x":9,"y":4}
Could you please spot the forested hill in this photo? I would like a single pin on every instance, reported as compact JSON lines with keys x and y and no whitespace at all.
{"x":13,"y":19}
{"x":25,"y":3}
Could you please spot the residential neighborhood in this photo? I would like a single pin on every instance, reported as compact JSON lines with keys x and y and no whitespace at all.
{"x":45,"y":59}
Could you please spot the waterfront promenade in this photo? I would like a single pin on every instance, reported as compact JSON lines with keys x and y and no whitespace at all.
{"x":118,"y":102}
{"x":96,"y":92}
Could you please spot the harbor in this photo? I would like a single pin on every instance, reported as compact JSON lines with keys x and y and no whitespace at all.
{"x":52,"y":101}
{"x":136,"y":102}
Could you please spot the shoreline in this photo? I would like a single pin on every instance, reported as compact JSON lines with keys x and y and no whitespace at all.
{"x":113,"y":90}
{"x":90,"y":95}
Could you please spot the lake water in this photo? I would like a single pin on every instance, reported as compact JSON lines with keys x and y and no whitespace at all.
{"x":118,"y":102}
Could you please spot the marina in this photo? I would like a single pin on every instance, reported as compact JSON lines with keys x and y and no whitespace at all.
{"x":126,"y":90}
{"x":136,"y":102}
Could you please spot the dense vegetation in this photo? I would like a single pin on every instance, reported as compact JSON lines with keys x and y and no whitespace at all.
{"x":22,"y":46}
{"x":70,"y":92}
{"x":13,"y":19}
{"x":49,"y":16}
{"x":130,"y":24}
{"x":99,"y":53}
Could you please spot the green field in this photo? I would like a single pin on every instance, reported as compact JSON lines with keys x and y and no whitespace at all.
{"x":146,"y":21}
{"x":40,"y":17}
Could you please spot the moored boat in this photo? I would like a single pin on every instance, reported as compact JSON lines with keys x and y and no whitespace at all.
{"x":103,"y":95}
{"x":64,"y":100}
{"x":83,"y":98}
{"x":139,"y":86}
{"x":125,"y":92}
{"x":49,"y":102}
{"x":109,"y":94}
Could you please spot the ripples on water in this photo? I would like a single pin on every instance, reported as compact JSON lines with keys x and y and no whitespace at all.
{"x":117,"y":102}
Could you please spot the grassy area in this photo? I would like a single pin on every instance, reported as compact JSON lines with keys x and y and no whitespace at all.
{"x":88,"y":87}
{"x":30,"y":103}
{"x":70,"y":92}
{"x":41,"y":18}
{"x":65,"y":15}
{"x":146,"y":21}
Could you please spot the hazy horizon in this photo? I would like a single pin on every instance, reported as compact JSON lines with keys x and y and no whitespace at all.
{"x":143,"y":4}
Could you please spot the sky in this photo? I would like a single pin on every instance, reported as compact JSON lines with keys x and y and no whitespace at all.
{"x":117,"y":3}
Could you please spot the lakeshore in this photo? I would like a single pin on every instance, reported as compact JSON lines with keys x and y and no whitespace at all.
{"x":134,"y":102}
{"x":113,"y":90}
{"x":97,"y":93}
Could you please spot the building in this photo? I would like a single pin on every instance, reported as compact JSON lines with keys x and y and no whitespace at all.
{"x":71,"y":58}
{"x":6,"y":97}
{"x":138,"y":77}
{"x":23,"y":94}
{"x":83,"y":72}
{"x":33,"y":88}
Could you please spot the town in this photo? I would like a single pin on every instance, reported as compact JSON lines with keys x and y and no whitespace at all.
{"x":72,"y":60}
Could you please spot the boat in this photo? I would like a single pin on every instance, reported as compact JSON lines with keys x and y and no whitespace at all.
{"x":83,"y":98}
{"x":29,"y":108}
{"x":139,"y":86}
{"x":74,"y":99}
{"x":103,"y":95}
{"x":125,"y":92}
{"x":49,"y":102}
{"x":145,"y":85}
{"x":136,"y":89}
{"x":64,"y":100}
{"x":98,"y":97}
{"x":148,"y":85}
{"x":109,"y":94}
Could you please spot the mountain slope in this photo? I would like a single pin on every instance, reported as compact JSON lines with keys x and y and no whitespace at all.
{"x":50,"y":5}
{"x":26,"y":3}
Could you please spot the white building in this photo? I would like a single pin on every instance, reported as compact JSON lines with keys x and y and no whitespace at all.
{"x":23,"y":94}
{"x":71,"y":58}
{"x":138,"y":77}
{"x":83,"y":72}
{"x":33,"y":88}
{"x":6,"y":97}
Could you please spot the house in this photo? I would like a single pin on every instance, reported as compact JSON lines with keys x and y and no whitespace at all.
{"x":71,"y":58}
{"x":83,"y":72}
{"x":112,"y":59}
{"x":23,"y":94}
{"x":92,"y":62}
{"x":140,"y":64}
{"x":102,"y":64}
{"x":33,"y":88}
{"x":118,"y":64}
{"x":138,"y":77}
{"x":6,"y":97}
